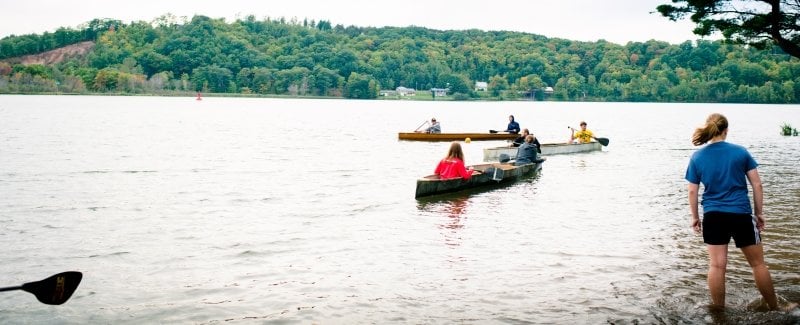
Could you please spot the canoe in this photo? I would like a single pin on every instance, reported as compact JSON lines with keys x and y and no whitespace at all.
{"x":548,"y":149}
{"x":491,"y":174}
{"x":413,"y":136}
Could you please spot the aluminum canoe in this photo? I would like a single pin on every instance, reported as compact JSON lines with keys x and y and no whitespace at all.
{"x":548,"y":149}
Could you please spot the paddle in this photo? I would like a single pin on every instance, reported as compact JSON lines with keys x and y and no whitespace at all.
{"x":54,"y":290}
{"x":423,"y":123}
{"x":603,"y":141}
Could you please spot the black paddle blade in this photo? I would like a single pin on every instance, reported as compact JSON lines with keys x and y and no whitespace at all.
{"x":56,"y":289}
{"x":603,"y":141}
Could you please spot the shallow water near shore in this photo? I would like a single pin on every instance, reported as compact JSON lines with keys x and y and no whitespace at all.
{"x":237,"y":210}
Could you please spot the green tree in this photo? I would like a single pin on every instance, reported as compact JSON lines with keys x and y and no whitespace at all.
{"x":361,"y":87}
{"x":264,"y":80}
{"x":346,"y":62}
{"x":497,"y":85}
{"x":754,"y":22}
{"x":216,"y":78}
{"x":106,"y":79}
{"x":279,"y":56}
{"x":153,"y":62}
{"x":326,"y":81}
{"x":35,"y":70}
{"x":291,"y":80}
{"x":457,"y":84}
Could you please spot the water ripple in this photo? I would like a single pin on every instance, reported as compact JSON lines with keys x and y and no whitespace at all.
{"x":214,"y":213}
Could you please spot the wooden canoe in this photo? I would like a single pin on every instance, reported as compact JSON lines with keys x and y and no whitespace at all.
{"x":491,"y":174}
{"x":413,"y":136}
{"x":548,"y":149}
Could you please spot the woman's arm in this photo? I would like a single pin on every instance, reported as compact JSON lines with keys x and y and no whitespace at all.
{"x":758,"y":198}
{"x":693,"y":189}
{"x":439,"y":167}
{"x":462,"y":170}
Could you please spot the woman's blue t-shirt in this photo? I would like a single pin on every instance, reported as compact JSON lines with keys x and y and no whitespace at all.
{"x":722,"y":169}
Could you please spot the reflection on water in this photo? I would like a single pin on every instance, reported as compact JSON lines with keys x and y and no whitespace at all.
{"x":227,"y":210}
{"x":451,"y":214}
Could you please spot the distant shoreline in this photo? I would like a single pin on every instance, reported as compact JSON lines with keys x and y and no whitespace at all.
{"x":445,"y":99}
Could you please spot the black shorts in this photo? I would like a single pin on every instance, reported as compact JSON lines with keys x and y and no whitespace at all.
{"x":719,"y":227}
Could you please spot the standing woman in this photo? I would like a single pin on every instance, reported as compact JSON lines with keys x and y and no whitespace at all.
{"x":724,"y":169}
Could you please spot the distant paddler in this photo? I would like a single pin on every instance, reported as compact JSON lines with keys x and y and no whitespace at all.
{"x":585,"y":136}
{"x":512,"y":128}
{"x":434,"y":128}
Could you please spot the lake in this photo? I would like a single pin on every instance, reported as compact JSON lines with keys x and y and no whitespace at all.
{"x":298,"y":211}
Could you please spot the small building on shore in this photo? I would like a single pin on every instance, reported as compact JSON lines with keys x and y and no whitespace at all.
{"x":403,"y":91}
{"x":398,"y":92}
{"x":439,"y":92}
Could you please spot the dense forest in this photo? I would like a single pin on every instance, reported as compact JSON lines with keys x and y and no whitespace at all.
{"x":315,"y":58}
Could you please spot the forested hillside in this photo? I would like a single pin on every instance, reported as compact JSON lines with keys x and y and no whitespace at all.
{"x":309,"y":58}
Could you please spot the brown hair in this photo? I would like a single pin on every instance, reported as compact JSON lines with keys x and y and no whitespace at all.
{"x":455,"y":151}
{"x":715,"y":124}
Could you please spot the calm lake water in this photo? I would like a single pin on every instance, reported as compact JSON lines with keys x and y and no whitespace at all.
{"x":232,"y":210}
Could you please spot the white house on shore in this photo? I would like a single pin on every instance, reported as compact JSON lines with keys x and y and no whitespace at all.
{"x":439,"y":92}
{"x":481,"y":86}
{"x":399,"y":91}
{"x":403,"y":91}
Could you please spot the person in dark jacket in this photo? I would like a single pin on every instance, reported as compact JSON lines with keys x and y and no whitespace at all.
{"x":526,"y":153}
{"x":521,"y":139}
{"x":513,"y":126}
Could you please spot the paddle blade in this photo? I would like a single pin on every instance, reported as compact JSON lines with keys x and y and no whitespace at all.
{"x":56,"y":289}
{"x":603,"y":141}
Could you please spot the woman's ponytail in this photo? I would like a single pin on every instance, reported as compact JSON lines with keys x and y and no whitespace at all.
{"x":715,"y":124}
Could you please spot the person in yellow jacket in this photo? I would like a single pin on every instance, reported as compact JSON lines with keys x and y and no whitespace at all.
{"x":583,"y":136}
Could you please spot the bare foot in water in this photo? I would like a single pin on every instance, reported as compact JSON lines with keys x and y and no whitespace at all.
{"x":783,"y":305}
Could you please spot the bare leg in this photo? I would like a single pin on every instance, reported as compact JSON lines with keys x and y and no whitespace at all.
{"x":717,"y":264}
{"x":755,"y":257}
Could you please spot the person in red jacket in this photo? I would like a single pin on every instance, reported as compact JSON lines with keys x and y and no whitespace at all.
{"x":452,"y":165}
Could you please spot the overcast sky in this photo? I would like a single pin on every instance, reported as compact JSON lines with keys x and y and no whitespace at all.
{"x":618,"y":21}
